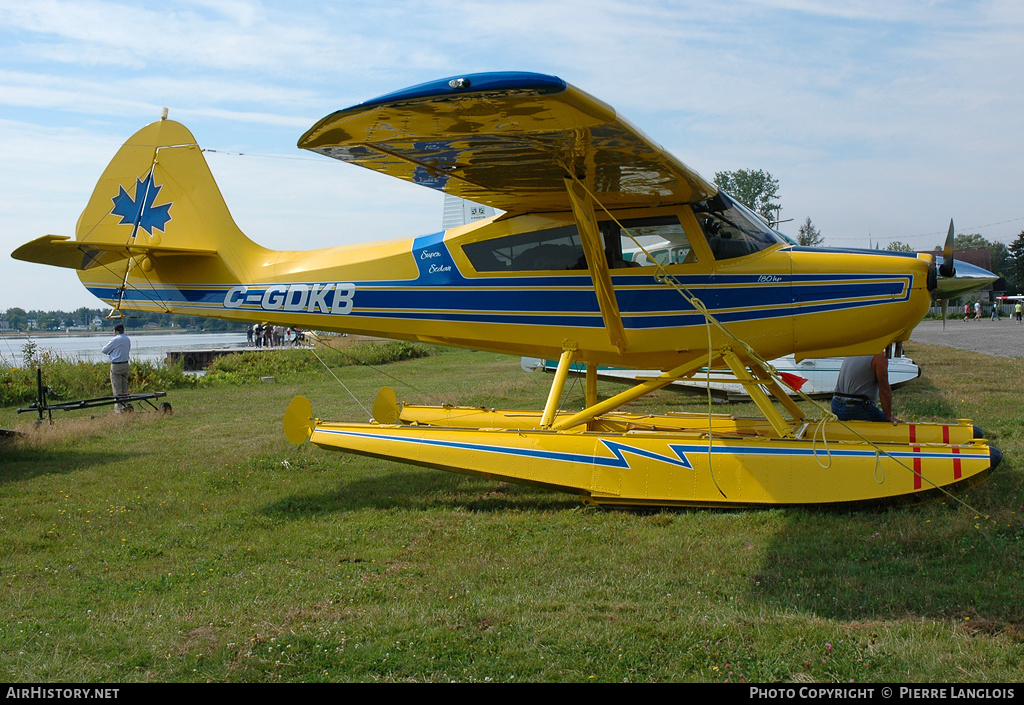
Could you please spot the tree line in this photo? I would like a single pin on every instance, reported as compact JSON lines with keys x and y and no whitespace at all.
{"x":19,"y":319}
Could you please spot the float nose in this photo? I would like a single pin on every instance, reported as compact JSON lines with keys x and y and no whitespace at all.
{"x":298,"y":421}
{"x":994,"y":457}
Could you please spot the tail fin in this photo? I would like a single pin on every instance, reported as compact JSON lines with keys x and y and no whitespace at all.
{"x":156,"y":221}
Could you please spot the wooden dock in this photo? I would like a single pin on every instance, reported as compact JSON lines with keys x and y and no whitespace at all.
{"x":197,"y":360}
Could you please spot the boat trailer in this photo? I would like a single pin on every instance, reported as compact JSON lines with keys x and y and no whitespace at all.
{"x":43,"y":406}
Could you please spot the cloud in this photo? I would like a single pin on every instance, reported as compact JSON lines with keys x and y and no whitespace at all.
{"x":875,"y":116}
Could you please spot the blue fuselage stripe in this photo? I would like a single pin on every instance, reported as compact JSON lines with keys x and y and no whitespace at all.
{"x":441,"y":292}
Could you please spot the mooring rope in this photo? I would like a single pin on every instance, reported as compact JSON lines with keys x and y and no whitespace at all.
{"x":662,"y":275}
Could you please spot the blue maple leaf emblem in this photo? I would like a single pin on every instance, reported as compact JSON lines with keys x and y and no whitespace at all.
{"x":140,"y":211}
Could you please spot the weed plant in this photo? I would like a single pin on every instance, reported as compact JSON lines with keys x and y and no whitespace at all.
{"x":249,"y":367}
{"x":75,"y":379}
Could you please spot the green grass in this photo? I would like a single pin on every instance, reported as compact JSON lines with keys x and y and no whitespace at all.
{"x":204,"y":547}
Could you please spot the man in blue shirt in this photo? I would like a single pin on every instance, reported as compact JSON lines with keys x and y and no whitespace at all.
{"x":118,"y":348}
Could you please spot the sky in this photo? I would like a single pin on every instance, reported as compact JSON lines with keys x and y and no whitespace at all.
{"x":880,"y":120}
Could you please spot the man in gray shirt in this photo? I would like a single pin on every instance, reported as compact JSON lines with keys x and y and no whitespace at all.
{"x":862,"y":382}
{"x":118,"y":348}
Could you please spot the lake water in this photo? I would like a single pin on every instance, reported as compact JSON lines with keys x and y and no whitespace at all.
{"x":145,"y":346}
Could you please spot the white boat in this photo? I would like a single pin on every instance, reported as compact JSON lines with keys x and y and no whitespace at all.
{"x":814,"y":377}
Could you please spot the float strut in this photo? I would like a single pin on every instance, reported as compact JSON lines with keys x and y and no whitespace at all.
{"x":629,"y":395}
{"x":591,"y":392}
{"x":555,"y":395}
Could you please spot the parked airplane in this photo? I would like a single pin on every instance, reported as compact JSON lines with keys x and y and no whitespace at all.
{"x":811,"y":376}
{"x":579,"y":186}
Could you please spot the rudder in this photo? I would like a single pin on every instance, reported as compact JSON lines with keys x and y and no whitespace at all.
{"x":156,"y":233}
{"x":158,"y":191}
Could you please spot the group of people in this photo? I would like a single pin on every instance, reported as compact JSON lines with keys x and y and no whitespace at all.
{"x":265,"y":335}
{"x":1018,"y":310}
{"x":977,"y":311}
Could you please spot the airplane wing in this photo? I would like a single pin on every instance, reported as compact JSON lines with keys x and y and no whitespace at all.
{"x":507,"y":140}
{"x":61,"y":251}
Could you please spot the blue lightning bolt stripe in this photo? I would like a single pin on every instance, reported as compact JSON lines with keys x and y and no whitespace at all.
{"x":618,"y":450}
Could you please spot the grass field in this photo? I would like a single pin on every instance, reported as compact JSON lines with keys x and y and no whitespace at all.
{"x":204,"y":547}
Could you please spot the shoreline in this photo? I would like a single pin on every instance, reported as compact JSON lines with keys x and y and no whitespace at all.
{"x":23,"y":335}
{"x":85,"y":346}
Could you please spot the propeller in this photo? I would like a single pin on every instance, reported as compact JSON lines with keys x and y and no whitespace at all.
{"x":947,"y":269}
{"x":952,"y":282}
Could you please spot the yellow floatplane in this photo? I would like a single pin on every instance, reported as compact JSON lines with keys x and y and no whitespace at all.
{"x":554,"y":276}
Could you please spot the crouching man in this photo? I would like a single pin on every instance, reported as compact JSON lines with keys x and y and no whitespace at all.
{"x":864,"y":382}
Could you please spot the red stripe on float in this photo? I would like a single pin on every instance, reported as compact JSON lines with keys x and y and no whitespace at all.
{"x":957,"y":471}
{"x":917,"y":458}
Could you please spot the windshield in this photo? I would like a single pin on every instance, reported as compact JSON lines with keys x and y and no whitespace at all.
{"x":731,"y":229}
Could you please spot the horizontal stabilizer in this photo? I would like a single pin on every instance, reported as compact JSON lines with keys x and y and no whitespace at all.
{"x":62,"y":251}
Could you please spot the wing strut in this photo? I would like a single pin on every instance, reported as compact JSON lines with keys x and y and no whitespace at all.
{"x":590,"y":235}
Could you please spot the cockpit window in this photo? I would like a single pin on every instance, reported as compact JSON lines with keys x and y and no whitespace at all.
{"x":553,"y":249}
{"x":561,"y":248}
{"x":660,"y":240}
{"x":731,"y":229}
